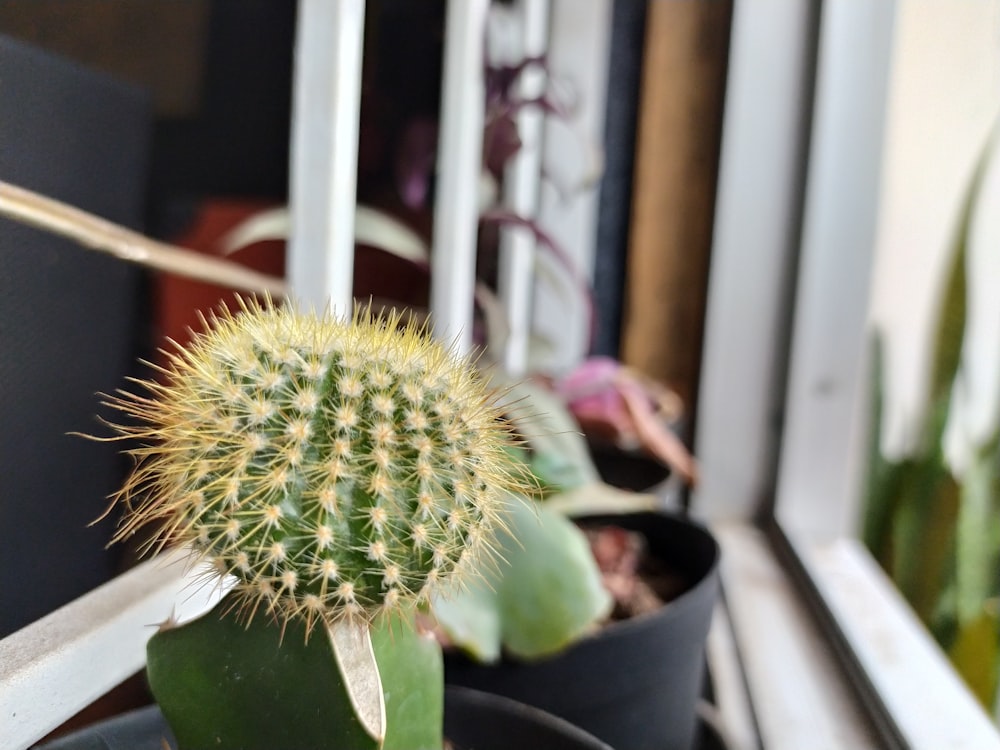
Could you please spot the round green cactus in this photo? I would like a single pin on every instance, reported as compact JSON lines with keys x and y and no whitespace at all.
{"x":336,"y":468}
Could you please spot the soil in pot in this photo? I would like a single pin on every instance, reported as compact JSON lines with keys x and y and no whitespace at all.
{"x":635,"y":683}
{"x":639,"y":583}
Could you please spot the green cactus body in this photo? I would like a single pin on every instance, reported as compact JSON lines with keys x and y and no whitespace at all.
{"x":335,"y":468}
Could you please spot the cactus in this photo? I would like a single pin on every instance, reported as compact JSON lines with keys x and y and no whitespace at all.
{"x":255,"y":686}
{"x":333,"y":468}
{"x":341,"y":472}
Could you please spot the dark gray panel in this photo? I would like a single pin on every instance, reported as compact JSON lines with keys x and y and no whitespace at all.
{"x":628,"y":30}
{"x":69,"y":324}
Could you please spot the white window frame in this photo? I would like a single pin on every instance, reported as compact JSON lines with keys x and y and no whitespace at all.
{"x":821,"y":631}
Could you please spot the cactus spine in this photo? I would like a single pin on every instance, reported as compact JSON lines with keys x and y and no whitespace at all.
{"x":336,"y":468}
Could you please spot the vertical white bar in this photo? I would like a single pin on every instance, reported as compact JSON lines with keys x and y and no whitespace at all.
{"x":752,"y":251}
{"x":325,"y":112}
{"x":824,"y":428}
{"x":456,"y":203}
{"x":521,"y":193}
{"x":578,"y":53}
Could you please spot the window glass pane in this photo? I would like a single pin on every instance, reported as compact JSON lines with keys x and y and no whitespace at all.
{"x":900,"y":125}
{"x":932,"y":496}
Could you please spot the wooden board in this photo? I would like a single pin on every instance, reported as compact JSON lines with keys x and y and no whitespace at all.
{"x":677,"y":154}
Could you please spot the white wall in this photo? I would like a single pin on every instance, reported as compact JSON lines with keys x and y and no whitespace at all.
{"x":943,"y":102}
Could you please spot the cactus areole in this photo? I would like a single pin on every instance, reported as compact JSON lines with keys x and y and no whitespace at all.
{"x":335,"y":468}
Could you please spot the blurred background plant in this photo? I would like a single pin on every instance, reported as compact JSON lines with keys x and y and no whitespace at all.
{"x":550,"y":591}
{"x":394,"y":215}
{"x":932,"y":514}
{"x":615,"y":406}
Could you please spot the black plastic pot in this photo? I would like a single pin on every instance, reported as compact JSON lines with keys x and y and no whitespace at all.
{"x":636,"y":683}
{"x":473,"y":719}
{"x":628,"y":470}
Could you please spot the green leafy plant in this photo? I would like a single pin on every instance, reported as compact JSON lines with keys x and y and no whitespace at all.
{"x":931,"y":516}
{"x":549,"y":591}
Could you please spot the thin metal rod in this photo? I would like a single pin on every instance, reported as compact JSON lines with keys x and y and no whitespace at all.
{"x":104,"y":236}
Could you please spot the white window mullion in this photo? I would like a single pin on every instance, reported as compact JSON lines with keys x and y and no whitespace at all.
{"x":824,"y":426}
{"x":753,"y":250}
{"x":578,"y":53}
{"x":456,"y":202}
{"x":325,"y":121}
{"x":521,"y":193}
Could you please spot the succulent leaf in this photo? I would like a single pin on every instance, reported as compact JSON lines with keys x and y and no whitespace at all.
{"x":224,"y":683}
{"x":559,"y":456}
{"x":413,"y":683}
{"x":217,"y":680}
{"x":546,"y":593}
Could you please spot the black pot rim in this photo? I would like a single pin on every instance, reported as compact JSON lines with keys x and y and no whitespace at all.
{"x":149,"y":718}
{"x":512,"y":708}
{"x":705,"y":583}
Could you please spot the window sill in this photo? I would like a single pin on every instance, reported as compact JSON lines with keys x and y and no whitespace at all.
{"x":797,"y":695}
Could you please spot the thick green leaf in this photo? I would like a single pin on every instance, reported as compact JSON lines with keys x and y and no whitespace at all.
{"x":923,"y":533}
{"x":599,"y":498}
{"x":547,"y":593}
{"x":559,"y":454}
{"x":884,"y":477}
{"x":912,"y":504}
{"x":950,"y":332}
{"x":472,"y":619}
{"x":909,"y":519}
{"x":889,"y":482}
{"x":977,"y":565}
{"x":976,"y":654}
{"x":222,"y":684}
{"x":413,"y":683}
